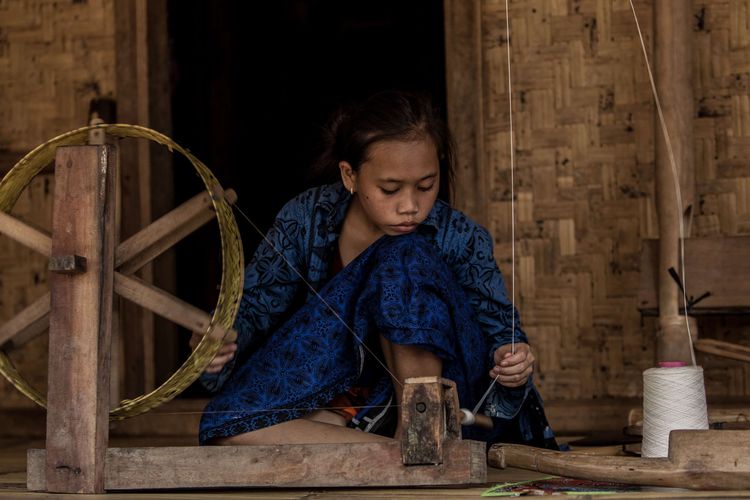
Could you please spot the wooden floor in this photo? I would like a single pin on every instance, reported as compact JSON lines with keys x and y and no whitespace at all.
{"x":13,"y":482}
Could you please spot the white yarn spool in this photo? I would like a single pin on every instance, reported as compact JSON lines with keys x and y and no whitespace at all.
{"x":673,"y":398}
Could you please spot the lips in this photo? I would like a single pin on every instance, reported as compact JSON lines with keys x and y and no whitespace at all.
{"x":405,"y":228}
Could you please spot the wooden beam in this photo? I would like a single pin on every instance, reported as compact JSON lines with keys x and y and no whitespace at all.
{"x":133,"y":101}
{"x":463,"y":64}
{"x":723,"y":349}
{"x":673,"y":47}
{"x":282,"y":466}
{"x":80,"y":320}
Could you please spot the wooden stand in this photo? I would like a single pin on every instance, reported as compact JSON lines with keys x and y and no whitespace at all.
{"x":431,"y":453}
{"x":87,"y":268}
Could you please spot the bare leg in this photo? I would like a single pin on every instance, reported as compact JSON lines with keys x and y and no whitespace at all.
{"x":406,"y":361}
{"x":403,"y":361}
{"x":301,"y":431}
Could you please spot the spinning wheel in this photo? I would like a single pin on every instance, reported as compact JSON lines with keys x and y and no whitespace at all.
{"x":125,"y":259}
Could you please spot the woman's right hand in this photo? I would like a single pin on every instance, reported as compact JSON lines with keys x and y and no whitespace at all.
{"x":225,"y":354}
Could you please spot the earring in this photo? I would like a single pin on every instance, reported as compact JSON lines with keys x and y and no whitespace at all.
{"x":351,"y":190}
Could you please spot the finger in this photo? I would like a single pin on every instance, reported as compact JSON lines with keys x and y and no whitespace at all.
{"x":194,"y":339}
{"x":518,"y":357}
{"x":227,"y":348}
{"x":513,"y":380}
{"x":514,"y":369}
{"x":219,"y":361}
{"x":495,"y":373}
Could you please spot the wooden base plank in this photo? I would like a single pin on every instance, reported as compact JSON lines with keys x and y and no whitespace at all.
{"x":287,"y":466}
{"x":698,"y":459}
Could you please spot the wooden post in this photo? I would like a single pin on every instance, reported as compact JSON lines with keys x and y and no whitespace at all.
{"x":80,"y":319}
{"x":463,"y":61}
{"x":673,"y":47}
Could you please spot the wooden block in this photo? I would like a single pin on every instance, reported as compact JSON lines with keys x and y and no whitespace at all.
{"x":67,"y":264}
{"x":81,"y":306}
{"x":429,"y":418}
{"x":283,"y":466}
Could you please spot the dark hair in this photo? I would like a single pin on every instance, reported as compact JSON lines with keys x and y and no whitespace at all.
{"x":388,"y":115}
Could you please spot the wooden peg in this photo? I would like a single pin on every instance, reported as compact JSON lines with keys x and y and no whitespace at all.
{"x":67,"y":264}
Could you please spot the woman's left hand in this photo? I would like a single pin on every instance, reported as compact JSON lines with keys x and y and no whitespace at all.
{"x":513,"y":369}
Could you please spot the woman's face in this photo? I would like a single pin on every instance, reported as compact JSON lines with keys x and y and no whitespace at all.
{"x":397,"y":185}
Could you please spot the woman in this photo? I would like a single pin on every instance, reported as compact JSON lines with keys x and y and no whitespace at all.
{"x":364,"y":283}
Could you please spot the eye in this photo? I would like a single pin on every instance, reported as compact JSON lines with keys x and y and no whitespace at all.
{"x":388,"y":192}
{"x":427,"y":188}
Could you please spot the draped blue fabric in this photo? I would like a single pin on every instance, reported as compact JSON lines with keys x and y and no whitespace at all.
{"x":399,"y":288}
{"x":438,"y":288}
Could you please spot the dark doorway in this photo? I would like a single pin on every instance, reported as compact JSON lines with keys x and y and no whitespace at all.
{"x":254,"y":83}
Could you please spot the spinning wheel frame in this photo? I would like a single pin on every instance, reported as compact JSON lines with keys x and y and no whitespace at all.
{"x":223,"y":316}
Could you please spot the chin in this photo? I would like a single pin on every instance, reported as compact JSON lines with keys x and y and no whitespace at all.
{"x":398,"y":231}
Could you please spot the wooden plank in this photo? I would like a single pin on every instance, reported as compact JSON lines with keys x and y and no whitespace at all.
{"x":283,"y":466}
{"x":727,"y":278}
{"x":709,"y":460}
{"x":80,"y":320}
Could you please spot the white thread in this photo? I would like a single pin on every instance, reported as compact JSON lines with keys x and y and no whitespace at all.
{"x":486,"y":393}
{"x":468,"y":418}
{"x":512,"y":213}
{"x":673,"y":398}
{"x":512,"y":190}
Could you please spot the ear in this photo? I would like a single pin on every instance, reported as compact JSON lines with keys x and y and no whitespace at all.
{"x":348,"y":175}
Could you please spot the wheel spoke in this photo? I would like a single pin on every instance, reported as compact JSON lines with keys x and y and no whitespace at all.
{"x":165,"y":232}
{"x":25,"y":234}
{"x":168,"y":306}
{"x":26,"y":325}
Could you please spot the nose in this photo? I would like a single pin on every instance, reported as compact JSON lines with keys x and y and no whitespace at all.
{"x":408,"y":204}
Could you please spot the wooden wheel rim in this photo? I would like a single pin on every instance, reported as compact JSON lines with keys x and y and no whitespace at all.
{"x":16,"y":180}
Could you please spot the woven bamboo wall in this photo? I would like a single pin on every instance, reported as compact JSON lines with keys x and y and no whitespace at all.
{"x":54,"y":57}
{"x":584,"y":178}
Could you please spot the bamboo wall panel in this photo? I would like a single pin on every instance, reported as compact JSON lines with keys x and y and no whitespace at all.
{"x":584,"y":178}
{"x":54,"y":58}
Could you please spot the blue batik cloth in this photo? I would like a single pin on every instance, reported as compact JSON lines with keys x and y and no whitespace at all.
{"x":399,"y":288}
